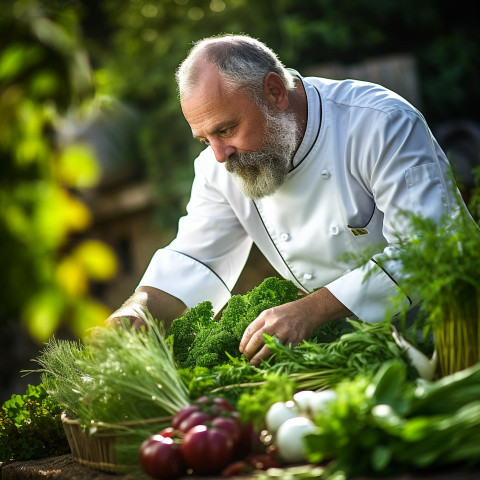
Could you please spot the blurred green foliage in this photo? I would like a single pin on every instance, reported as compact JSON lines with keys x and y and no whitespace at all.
{"x":45,"y":74}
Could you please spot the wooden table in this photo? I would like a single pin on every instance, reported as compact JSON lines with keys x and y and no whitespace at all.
{"x":65,"y":468}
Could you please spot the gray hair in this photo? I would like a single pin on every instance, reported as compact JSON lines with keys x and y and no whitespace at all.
{"x":242,"y":61}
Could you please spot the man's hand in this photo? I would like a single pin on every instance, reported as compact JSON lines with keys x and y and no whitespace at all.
{"x":133,"y":312}
{"x":161,"y":305}
{"x":290,"y":323}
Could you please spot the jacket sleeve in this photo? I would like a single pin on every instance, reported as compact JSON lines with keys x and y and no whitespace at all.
{"x":405,"y":170}
{"x":209,"y":252}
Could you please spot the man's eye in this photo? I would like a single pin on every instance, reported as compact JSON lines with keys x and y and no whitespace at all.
{"x":225,"y":132}
{"x":205,"y":141}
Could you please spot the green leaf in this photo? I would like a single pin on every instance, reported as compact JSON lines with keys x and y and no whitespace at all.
{"x":381,"y":456}
{"x":17,"y":58}
{"x":389,"y":387}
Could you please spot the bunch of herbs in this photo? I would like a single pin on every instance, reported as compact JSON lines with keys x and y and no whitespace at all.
{"x":308,"y":366}
{"x":63,"y":378}
{"x":322,"y":365}
{"x":441,"y":263}
{"x":133,"y":374}
{"x":121,"y":374}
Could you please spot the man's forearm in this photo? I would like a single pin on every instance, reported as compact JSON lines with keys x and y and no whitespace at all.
{"x":161,"y":305}
{"x":325,"y":306}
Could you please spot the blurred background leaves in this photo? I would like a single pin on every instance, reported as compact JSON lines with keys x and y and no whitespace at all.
{"x":45,"y":74}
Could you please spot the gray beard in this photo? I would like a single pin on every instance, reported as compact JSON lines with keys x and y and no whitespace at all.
{"x":260,"y":174}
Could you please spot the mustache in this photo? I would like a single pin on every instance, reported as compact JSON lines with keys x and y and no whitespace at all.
{"x":248,"y":160}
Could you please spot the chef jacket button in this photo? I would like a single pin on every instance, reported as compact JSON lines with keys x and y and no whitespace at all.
{"x":334,"y":230}
{"x":284,"y":237}
{"x":325,"y":174}
{"x":307,"y":276}
{"x":347,"y":270}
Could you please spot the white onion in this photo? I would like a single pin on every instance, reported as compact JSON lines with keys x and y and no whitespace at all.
{"x":320,"y":400}
{"x":289,"y":438}
{"x":278,"y":413}
{"x":302,"y":400}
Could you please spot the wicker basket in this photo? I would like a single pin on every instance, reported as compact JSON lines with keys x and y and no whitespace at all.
{"x":95,"y":447}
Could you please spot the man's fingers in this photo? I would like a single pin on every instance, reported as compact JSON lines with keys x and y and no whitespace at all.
{"x":250,"y":331}
{"x":261,"y":355}
{"x":254,"y":344}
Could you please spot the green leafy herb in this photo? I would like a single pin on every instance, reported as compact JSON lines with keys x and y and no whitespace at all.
{"x":62,"y":376}
{"x":228,"y":380}
{"x":253,"y":405}
{"x":199,"y":340}
{"x":322,"y":365}
{"x":132,"y":375}
{"x":441,"y":263}
{"x":31,"y":427}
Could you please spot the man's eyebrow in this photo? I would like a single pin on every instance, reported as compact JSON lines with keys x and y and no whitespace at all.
{"x":217,"y":128}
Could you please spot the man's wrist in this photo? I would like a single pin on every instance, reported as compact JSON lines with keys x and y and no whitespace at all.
{"x":326,"y":307}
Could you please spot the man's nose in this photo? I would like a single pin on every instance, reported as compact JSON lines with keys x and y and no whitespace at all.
{"x":221,"y":150}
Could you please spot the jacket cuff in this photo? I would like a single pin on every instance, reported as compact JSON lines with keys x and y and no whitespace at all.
{"x":186,"y":278}
{"x":371,"y":298}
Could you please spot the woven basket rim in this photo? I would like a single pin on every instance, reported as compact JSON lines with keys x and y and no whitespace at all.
{"x":94,"y":445}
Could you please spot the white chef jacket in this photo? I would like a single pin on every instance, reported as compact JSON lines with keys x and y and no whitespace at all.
{"x":366,"y":153}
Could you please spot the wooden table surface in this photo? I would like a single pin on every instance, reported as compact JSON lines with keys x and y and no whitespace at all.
{"x":65,"y":468}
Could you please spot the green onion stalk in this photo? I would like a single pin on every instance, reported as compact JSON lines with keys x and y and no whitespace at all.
{"x":457,"y":336}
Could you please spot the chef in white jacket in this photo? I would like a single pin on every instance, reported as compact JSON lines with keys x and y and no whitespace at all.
{"x":308,"y":169}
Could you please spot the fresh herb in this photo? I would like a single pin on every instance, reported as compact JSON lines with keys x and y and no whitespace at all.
{"x":321,"y":365}
{"x":31,"y":427}
{"x":330,"y":331}
{"x":62,"y":376}
{"x":441,"y":264}
{"x":121,"y":374}
{"x":199,"y":340}
{"x":133,"y":376}
{"x":308,"y":366}
{"x":230,"y":379}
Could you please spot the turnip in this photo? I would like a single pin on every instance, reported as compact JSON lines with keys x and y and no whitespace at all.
{"x":289,"y":439}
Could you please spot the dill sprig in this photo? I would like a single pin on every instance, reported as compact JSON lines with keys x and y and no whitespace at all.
{"x":61,"y":374}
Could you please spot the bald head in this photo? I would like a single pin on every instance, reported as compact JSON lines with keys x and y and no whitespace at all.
{"x":241,"y":61}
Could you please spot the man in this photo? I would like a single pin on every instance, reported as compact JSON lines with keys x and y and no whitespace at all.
{"x":307,"y":168}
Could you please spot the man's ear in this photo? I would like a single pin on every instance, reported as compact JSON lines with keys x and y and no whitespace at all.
{"x":275,"y":92}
